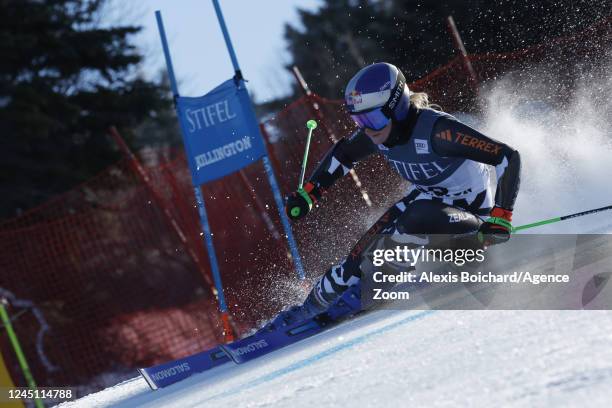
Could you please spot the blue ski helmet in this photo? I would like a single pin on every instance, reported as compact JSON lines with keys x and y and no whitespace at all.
{"x":377,"y":94}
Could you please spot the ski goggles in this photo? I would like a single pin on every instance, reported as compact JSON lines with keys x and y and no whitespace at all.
{"x":374,"y":119}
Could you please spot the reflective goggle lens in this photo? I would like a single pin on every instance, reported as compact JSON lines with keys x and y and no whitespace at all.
{"x":375,"y":120}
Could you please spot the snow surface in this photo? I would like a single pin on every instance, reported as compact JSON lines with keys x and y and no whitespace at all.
{"x":419,"y":358}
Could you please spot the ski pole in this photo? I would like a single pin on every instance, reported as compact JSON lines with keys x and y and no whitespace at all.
{"x":311,"y":125}
{"x":25,"y":369}
{"x":562,"y":218}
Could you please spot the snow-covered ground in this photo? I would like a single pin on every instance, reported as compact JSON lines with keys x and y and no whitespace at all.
{"x":416,"y":358}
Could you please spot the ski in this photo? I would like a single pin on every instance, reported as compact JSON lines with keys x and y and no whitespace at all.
{"x":267,"y":341}
{"x":163,"y":375}
{"x":272,"y":337}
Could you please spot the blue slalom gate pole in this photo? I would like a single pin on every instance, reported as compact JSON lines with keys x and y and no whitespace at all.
{"x":228,"y":331}
{"x":297,"y":260}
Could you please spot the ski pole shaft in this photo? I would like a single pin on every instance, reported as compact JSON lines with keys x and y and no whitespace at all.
{"x":6,"y":321}
{"x":311,"y":125}
{"x":562,"y":218}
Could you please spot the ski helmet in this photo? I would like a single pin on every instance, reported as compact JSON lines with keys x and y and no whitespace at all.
{"x":377,"y":94}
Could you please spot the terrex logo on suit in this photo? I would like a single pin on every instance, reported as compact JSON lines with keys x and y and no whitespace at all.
{"x":470,"y":141}
{"x":478,"y":144}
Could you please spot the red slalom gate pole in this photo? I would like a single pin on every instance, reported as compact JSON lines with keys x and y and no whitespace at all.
{"x":172,"y":182}
{"x":460,"y":47}
{"x":271,"y":152}
{"x":275,"y":163}
{"x":174,"y":225}
{"x":265,"y":217}
{"x":315,"y":110}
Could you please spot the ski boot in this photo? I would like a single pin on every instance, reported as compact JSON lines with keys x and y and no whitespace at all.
{"x":347,"y":304}
{"x":294,"y":314}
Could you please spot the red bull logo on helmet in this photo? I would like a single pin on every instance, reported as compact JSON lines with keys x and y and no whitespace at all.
{"x":354,"y":98}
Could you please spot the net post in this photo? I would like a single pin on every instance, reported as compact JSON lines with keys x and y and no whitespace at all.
{"x":460,"y":47}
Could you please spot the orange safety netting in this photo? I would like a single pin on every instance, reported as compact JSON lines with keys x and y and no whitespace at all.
{"x":115,"y":272}
{"x":97,"y":262}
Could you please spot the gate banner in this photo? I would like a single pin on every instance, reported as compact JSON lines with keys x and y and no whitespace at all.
{"x":219,"y":132}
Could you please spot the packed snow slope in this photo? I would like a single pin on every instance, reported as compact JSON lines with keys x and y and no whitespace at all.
{"x":454,"y":358}
{"x":412,"y":358}
{"x":477,"y":358}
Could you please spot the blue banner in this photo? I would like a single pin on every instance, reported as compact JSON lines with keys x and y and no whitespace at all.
{"x":165,"y":374}
{"x":220,"y":132}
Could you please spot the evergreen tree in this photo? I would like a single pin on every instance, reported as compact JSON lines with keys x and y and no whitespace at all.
{"x":334,"y":42}
{"x":344,"y":35}
{"x":63,"y":82}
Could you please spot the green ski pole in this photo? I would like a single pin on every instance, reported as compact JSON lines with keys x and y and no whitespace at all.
{"x":311,"y":125}
{"x":6,"y":321}
{"x":562,"y":218}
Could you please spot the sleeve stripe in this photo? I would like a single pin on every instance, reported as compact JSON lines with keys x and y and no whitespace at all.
{"x":333,"y":166}
{"x":501,"y":168}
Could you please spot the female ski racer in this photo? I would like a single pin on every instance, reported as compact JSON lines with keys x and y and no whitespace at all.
{"x":446,"y":162}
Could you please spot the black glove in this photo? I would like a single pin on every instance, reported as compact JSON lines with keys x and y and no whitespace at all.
{"x":300,"y":202}
{"x":497,"y":228}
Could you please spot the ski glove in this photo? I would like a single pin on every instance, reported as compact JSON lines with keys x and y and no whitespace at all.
{"x":300,"y":202}
{"x":497,"y":228}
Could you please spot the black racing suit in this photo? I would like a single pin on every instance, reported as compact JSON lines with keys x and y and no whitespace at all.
{"x":448,"y":165}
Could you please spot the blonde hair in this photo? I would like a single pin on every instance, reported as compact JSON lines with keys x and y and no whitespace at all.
{"x":421,"y":100}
